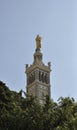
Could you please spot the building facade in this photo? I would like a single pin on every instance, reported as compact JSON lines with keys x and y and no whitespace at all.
{"x":38,"y":75}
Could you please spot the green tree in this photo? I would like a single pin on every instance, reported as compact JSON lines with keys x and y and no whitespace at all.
{"x":25,"y":113}
{"x":66,"y":112}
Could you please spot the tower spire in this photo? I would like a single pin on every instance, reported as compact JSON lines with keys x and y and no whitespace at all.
{"x":38,"y":75}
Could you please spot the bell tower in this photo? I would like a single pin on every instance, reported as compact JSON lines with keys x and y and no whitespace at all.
{"x":38,"y":75}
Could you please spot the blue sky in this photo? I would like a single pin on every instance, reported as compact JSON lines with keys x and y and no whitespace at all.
{"x":56,"y":22}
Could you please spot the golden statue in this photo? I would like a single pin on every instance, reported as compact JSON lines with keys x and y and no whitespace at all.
{"x":38,"y":42}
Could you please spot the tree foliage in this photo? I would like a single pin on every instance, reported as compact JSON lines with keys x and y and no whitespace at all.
{"x":25,"y":113}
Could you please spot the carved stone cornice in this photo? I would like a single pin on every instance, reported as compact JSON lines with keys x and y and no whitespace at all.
{"x":39,"y":83}
{"x":37,"y":66}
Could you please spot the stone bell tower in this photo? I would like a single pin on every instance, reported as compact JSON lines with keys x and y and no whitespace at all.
{"x":38,"y":75}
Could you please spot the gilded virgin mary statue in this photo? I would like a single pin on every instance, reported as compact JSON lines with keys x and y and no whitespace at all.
{"x":38,"y":42}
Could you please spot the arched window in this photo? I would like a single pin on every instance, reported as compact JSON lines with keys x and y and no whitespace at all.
{"x":33,"y":76}
{"x":46,"y":78}
{"x":42,"y":77}
{"x":39,"y":76}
